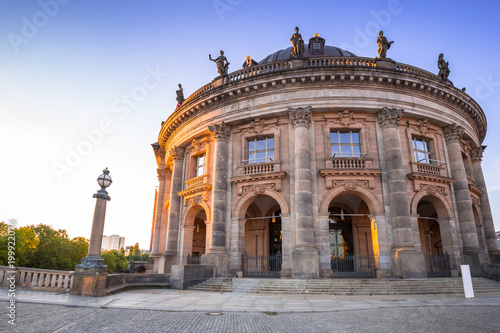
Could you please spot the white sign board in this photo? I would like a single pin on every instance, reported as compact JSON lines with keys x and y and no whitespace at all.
{"x":467,"y":281}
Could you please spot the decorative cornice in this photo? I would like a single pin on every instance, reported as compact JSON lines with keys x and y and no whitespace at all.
{"x":453,"y":133}
{"x":241,"y":83}
{"x":177,"y":153}
{"x":389,"y":118}
{"x":220,"y":131}
{"x":475,"y":190}
{"x":350,"y":172}
{"x":259,"y":177}
{"x":477,"y":154}
{"x":429,"y":178}
{"x":300,"y":117}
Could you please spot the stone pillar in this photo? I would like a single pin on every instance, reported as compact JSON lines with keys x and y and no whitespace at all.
{"x":407,"y":260}
{"x":155,"y":253}
{"x":170,"y":255}
{"x":217,"y":253}
{"x":470,"y":244}
{"x":489,"y":226}
{"x":323,"y":245}
{"x":237,"y":246}
{"x":305,"y":256}
{"x":187,"y":242}
{"x":381,"y":244}
{"x":89,"y":278}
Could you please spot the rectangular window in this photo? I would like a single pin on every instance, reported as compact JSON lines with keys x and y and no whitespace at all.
{"x":422,"y":150}
{"x":199,"y":166}
{"x":345,"y":144}
{"x":260,"y":150}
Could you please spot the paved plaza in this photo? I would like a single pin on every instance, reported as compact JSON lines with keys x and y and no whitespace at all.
{"x":164,"y":310}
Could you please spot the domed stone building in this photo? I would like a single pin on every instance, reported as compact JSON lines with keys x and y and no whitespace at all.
{"x":317,"y":163}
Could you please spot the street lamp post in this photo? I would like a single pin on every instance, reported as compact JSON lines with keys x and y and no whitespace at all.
{"x":89,"y":278}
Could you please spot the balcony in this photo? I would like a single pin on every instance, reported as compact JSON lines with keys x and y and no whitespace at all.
{"x":435,"y":169}
{"x":257,"y":168}
{"x":197,"y":181}
{"x":349,"y":162}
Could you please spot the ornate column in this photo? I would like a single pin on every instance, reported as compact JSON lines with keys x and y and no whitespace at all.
{"x":452,"y":136}
{"x":305,"y":256}
{"x":407,"y":260}
{"x":160,"y":154}
{"x":489,"y":227}
{"x":170,"y":254}
{"x":217,"y":253}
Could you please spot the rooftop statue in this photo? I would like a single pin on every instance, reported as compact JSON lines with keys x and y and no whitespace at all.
{"x":383,"y":45}
{"x":180,"y":95}
{"x":249,"y":62}
{"x":298,"y":44}
{"x":222,"y":63}
{"x":444,"y":71}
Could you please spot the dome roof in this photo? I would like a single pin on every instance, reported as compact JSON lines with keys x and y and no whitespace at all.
{"x":285,"y":54}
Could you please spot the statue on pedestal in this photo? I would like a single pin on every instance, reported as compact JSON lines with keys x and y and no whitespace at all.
{"x":298,"y":44}
{"x":222,"y":63}
{"x":180,"y":95}
{"x":444,"y":71}
{"x":383,"y":45}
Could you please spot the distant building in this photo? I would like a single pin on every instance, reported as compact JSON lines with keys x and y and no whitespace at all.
{"x":113,"y":242}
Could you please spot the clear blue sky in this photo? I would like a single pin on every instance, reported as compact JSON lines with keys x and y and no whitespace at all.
{"x":66,"y":68}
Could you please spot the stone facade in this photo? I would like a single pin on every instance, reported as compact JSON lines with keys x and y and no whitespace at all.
{"x":323,"y":158}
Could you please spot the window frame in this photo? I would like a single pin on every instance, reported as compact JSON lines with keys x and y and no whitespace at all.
{"x":196,"y":166}
{"x":429,"y":154}
{"x":255,"y":139}
{"x":351,"y":144}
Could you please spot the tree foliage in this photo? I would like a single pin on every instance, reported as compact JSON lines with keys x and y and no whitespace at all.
{"x":116,"y":261}
{"x":41,"y":246}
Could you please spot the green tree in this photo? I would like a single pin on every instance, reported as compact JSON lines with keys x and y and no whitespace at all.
{"x":145,"y":257}
{"x":116,"y":261}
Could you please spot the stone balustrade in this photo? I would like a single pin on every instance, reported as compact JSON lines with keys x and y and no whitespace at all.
{"x":197,"y":181}
{"x":427,"y":168}
{"x":35,"y":278}
{"x":348,"y":163}
{"x":256,"y":168}
{"x":257,"y":70}
{"x":218,"y":90}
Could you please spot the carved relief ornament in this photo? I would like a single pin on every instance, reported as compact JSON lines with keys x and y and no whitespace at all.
{"x":433,"y":189}
{"x":389,"y":118}
{"x":346,"y":118}
{"x":220,"y":131}
{"x":300,"y":117}
{"x":259,"y":189}
{"x":351,"y":185}
{"x":257,"y":125}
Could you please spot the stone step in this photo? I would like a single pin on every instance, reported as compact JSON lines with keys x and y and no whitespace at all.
{"x":349,"y":286}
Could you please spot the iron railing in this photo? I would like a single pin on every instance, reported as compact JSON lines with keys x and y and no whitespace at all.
{"x":354,"y":266}
{"x":438,"y":266}
{"x":191,"y":260}
{"x":261,"y":266}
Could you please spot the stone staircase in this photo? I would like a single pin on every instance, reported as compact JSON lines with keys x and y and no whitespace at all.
{"x":431,"y":286}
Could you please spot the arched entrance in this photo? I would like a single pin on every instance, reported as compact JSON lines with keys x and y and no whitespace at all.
{"x":195,"y":233}
{"x":350,"y":239}
{"x":431,"y":243}
{"x":262,"y":255}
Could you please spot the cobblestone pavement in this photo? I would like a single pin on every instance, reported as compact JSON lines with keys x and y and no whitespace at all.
{"x":32,"y":317}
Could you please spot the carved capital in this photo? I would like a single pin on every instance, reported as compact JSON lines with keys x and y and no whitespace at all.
{"x":177,"y":153}
{"x":300,"y":117}
{"x":453,"y":133}
{"x":477,"y":154}
{"x":388,"y":118}
{"x":220,"y":132}
{"x":161,"y":173}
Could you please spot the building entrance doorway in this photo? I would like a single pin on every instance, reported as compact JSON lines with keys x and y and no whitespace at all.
{"x":351,"y":251}
{"x":263,"y":239}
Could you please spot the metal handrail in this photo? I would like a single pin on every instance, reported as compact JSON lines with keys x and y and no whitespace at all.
{"x":430,"y":159}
